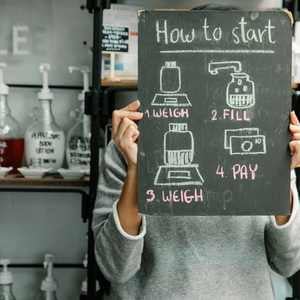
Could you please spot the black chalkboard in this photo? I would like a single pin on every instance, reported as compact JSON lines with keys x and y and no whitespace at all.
{"x":215,"y":92}
{"x":115,"y":38}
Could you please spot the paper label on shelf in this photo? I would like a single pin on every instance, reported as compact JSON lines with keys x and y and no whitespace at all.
{"x":45,"y":149}
{"x":78,"y":152}
{"x":115,"y":38}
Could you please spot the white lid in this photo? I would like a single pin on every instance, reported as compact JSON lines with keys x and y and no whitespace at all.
{"x":4,"y":89}
{"x":49,"y":284}
{"x":5,"y":276}
{"x":45,"y":93}
{"x":85,"y":76}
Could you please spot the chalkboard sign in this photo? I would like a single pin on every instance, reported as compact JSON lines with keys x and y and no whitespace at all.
{"x":215,"y":92}
{"x":115,"y":39}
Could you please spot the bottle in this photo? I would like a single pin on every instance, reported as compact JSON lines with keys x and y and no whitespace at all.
{"x":84,"y":285}
{"x":11,"y":139}
{"x":6,"y":282}
{"x":44,"y":139}
{"x":79,"y":136}
{"x":49,"y":284}
{"x":179,"y":145}
{"x":170,"y":78}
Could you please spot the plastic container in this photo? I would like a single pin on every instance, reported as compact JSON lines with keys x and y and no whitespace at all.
{"x":78,"y":138}
{"x":49,"y":284}
{"x":6,"y":282}
{"x":44,"y":139}
{"x":11,"y":138}
{"x":84,"y":284}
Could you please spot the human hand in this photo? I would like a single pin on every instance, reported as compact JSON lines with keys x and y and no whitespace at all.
{"x":125,"y":131}
{"x":295,"y":140}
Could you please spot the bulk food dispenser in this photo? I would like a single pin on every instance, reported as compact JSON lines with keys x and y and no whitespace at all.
{"x":44,"y":139}
{"x":79,"y":136}
{"x":11,"y":138}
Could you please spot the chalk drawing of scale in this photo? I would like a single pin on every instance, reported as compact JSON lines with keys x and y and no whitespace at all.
{"x":240,"y":91}
{"x":170,"y":90}
{"x":178,"y":168}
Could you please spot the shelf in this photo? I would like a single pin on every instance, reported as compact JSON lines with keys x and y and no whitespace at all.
{"x":47,"y":181}
{"x":124,"y":83}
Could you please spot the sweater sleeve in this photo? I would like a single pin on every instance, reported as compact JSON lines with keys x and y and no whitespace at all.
{"x":283,"y":241}
{"x":118,"y":254}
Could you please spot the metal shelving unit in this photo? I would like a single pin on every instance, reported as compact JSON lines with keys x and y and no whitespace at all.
{"x":99,"y":104}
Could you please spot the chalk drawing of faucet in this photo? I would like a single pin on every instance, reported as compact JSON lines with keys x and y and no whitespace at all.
{"x":240,"y":91}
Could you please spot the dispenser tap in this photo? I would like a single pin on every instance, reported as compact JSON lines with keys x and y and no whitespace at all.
{"x":2,"y":66}
{"x":45,"y":93}
{"x":4,"y":263}
{"x":4,"y":89}
{"x":85,"y":73}
{"x":48,"y":264}
{"x":214,"y":67}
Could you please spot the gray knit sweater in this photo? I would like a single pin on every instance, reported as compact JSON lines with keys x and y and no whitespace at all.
{"x":226,"y":257}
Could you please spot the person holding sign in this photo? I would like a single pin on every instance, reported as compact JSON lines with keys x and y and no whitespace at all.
{"x":155,"y":257}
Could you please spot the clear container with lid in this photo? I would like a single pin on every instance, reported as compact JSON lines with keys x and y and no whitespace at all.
{"x":44,"y":139}
{"x":49,"y":284}
{"x":6,"y":282}
{"x":79,"y":136}
{"x":11,"y":137}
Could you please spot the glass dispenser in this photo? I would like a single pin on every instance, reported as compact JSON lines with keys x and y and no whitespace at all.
{"x":49,"y":284}
{"x":44,"y":139}
{"x":11,"y":139}
{"x":78,"y":138}
{"x":6,"y":282}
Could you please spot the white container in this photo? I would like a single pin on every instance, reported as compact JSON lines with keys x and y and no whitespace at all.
{"x":4,"y":171}
{"x":79,"y":136}
{"x":49,"y":284}
{"x":44,"y":139}
{"x":33,"y":173}
{"x":6,"y":282}
{"x":71,"y":174}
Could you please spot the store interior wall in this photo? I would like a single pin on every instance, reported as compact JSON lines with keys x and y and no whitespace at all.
{"x":32,"y":224}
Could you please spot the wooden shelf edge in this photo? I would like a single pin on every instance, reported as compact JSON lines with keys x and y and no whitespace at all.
{"x":47,"y":181}
{"x":126,"y":83}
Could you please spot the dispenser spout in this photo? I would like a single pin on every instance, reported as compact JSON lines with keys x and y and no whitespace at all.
{"x":4,"y":89}
{"x":2,"y":66}
{"x":45,"y":93}
{"x":49,"y":284}
{"x":85,"y":74}
{"x":214,"y":67}
{"x":48,"y":264}
{"x":4,"y":263}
